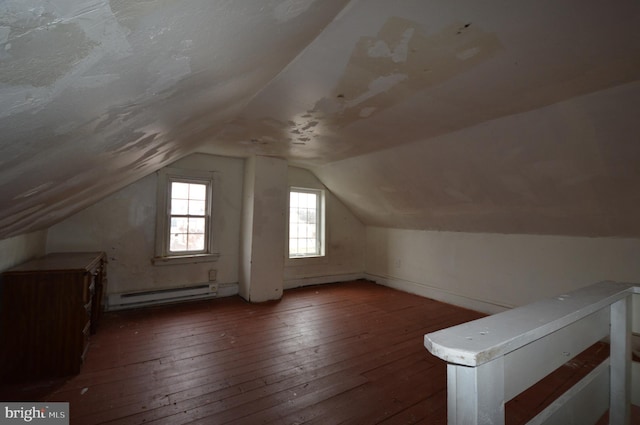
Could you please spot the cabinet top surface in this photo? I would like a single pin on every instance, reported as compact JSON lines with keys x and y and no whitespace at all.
{"x":60,"y":261}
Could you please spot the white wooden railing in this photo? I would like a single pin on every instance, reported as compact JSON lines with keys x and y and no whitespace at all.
{"x":493,"y":359}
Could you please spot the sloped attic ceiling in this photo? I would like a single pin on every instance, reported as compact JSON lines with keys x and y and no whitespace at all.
{"x":489,"y":116}
{"x":95,"y":94}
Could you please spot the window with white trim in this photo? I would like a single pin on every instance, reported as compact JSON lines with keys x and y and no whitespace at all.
{"x":184,"y":220}
{"x":306,"y":223}
{"x":188,"y":216}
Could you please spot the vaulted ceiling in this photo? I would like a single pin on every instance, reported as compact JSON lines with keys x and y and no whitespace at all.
{"x":493,"y":116}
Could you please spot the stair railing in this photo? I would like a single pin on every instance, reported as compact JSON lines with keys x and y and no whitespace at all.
{"x":493,"y":359}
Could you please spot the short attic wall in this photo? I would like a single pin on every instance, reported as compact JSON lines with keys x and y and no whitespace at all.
{"x":494,"y":272}
{"x":19,"y":249}
{"x":566,"y":169}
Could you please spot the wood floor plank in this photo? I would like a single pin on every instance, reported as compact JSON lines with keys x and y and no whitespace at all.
{"x":432,"y":410}
{"x":341,"y":353}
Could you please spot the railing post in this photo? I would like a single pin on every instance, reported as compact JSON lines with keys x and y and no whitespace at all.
{"x":475,"y":395}
{"x":620,"y":392}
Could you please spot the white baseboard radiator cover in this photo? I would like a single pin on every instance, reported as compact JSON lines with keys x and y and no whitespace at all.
{"x":161,"y":296}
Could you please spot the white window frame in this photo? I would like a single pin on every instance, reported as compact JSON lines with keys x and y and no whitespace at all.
{"x":163,"y":256}
{"x":320,"y":225}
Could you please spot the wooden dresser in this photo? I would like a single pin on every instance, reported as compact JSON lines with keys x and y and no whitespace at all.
{"x":48,"y":308}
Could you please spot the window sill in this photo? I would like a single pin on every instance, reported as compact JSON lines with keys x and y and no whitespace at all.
{"x":306,"y":261}
{"x":184,"y":259}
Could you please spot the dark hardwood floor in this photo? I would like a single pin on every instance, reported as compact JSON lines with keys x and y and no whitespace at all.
{"x":341,"y":353}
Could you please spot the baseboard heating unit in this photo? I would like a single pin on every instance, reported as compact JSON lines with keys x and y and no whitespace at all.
{"x":161,"y":296}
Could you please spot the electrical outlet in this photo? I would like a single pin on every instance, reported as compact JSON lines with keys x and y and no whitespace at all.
{"x":213,"y":275}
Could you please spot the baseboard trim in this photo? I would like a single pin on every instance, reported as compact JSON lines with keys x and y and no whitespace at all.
{"x":439,"y":294}
{"x":228,"y":289}
{"x":318,"y":280}
{"x":222,"y":290}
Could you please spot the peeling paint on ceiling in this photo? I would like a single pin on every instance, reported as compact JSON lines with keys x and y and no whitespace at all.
{"x":95,"y":94}
{"x":400,"y":62}
{"x":39,"y":56}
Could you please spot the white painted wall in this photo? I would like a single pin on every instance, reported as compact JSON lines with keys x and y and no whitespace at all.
{"x":123,"y":225}
{"x":492,"y":272}
{"x":19,"y":249}
{"x":263,"y":229}
{"x":246,"y":231}
{"x":548,"y":171}
{"x":344,"y":247}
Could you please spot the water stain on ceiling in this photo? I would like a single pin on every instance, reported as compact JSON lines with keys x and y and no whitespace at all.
{"x":400,"y":62}
{"x":394,"y":98}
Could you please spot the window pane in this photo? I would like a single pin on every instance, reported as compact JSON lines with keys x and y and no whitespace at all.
{"x":179,"y":225}
{"x":293,"y":246}
{"x":198,"y":191}
{"x":308,"y":200}
{"x":311,"y":216}
{"x":311,"y":231}
{"x":293,"y":215}
{"x":196,"y":225}
{"x":195,"y":242}
{"x":197,"y":207}
{"x":293,"y":199}
{"x":302,"y":215}
{"x":179,"y":206}
{"x":310,"y":246}
{"x":178,"y":242}
{"x":304,"y":224}
{"x":179,"y":190}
